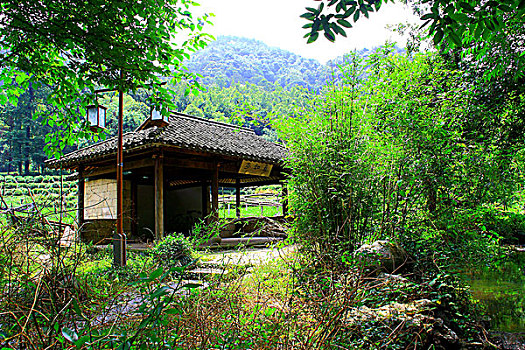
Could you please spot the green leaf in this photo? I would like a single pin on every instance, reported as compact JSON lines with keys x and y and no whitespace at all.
{"x":478,"y":30}
{"x":356,"y":16}
{"x":339,"y":30}
{"x":330,"y":36}
{"x":428,"y":16}
{"x":467,"y":7}
{"x":308,"y":16}
{"x":313,"y":37}
{"x":460,"y":17}
{"x":156,"y":274}
{"x":364,"y":10}
{"x":350,"y":11}
{"x":438,"y":37}
{"x":173,"y":312}
{"x":69,"y":334}
{"x":160,"y":292}
{"x":82,"y":340}
{"x":344,"y":23}
{"x":505,"y":8}
{"x":76,"y":308}
{"x":20,"y":78}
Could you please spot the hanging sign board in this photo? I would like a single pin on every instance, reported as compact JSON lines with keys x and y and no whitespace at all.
{"x":255,"y":168}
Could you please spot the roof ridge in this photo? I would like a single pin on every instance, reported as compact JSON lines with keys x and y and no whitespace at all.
{"x":210,"y":121}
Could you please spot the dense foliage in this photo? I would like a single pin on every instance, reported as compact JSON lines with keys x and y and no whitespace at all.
{"x":239,"y":60}
{"x":424,"y":150}
{"x":450,"y":19}
{"x":71,"y":48}
{"x":388,"y":150}
{"x":23,"y":129}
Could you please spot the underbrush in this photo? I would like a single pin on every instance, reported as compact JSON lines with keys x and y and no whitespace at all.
{"x":64,"y":297}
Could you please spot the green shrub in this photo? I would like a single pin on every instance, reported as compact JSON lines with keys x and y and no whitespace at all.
{"x":173,"y":250}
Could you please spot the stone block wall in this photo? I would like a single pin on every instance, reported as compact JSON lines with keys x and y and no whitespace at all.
{"x":100,"y":209}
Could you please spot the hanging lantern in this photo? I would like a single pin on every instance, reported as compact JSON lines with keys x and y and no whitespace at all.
{"x":96,"y":117}
{"x":157,"y":118}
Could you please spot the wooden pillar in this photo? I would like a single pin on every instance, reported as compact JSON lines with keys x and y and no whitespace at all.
{"x":134,"y":208}
{"x":159,"y":197}
{"x":81,"y":191}
{"x":205,"y":199}
{"x":215,"y":192}
{"x":285,"y":198}
{"x":238,"y":197}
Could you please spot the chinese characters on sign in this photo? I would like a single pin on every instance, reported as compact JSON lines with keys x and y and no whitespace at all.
{"x":255,"y":168}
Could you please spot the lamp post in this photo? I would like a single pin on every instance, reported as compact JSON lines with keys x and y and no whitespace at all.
{"x":97,"y":120}
{"x":119,"y":255}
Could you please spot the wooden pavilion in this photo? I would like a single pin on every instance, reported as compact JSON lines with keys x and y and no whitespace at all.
{"x":172,"y":175}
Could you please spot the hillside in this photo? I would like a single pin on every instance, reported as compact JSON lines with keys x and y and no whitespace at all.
{"x":239,"y":60}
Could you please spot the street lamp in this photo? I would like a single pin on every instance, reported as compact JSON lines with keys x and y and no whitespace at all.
{"x":157,"y":118}
{"x":97,"y":120}
{"x":96,"y":117}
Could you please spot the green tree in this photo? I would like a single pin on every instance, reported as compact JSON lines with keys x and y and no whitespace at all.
{"x":389,"y":148}
{"x":247,"y":105}
{"x":75,"y":47}
{"x":446,"y":19}
{"x":23,"y":136}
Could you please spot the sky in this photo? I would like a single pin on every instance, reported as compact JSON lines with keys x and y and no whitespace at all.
{"x":277,"y":23}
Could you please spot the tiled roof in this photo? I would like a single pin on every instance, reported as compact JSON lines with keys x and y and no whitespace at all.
{"x":186,"y":132}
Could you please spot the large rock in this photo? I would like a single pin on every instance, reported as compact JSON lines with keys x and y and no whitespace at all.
{"x":382,"y":256}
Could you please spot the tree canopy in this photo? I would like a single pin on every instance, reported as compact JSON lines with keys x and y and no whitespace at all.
{"x":457,"y":21}
{"x":73,"y":47}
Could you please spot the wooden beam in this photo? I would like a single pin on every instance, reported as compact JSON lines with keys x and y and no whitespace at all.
{"x":205,"y":199}
{"x":159,"y":197}
{"x":215,"y":193}
{"x":129,"y":165}
{"x":134,"y":208}
{"x":204,"y":165}
{"x":238,"y":198}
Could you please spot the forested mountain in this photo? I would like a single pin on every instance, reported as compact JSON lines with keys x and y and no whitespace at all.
{"x":239,"y":60}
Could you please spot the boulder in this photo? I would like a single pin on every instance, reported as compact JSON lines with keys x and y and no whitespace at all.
{"x":382,"y":256}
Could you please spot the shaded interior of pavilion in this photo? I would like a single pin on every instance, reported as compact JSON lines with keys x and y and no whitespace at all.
{"x":164,"y":195}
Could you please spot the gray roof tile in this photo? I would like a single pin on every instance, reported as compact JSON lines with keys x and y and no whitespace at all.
{"x":186,"y":132}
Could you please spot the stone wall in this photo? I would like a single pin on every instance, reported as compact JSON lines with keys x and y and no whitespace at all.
{"x":100,"y":209}
{"x":100,"y":199}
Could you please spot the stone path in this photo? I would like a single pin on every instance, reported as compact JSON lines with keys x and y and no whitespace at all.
{"x":215,"y":263}
{"x":247,"y":256}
